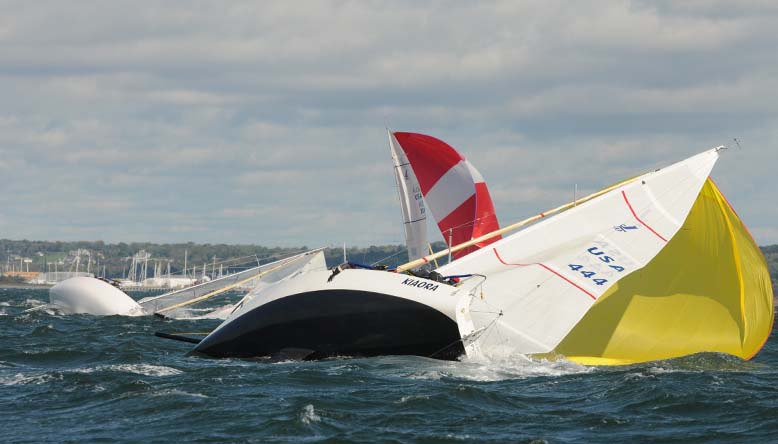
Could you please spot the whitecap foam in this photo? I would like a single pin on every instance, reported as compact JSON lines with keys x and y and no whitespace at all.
{"x":459,"y":437}
{"x":146,"y":369}
{"x":177,"y":392}
{"x":432,"y":375}
{"x":48,"y":309}
{"x":308,"y":415}
{"x":409,"y":398}
{"x":485,"y":369}
{"x":341,"y":369}
{"x":221,"y":313}
{"x":138,"y":369}
{"x":22,"y":379}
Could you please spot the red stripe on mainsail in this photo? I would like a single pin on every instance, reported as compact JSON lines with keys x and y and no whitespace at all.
{"x":435,"y":155}
{"x":506,"y":263}
{"x":569,"y":281}
{"x":638,"y":219}
{"x":547,"y":268}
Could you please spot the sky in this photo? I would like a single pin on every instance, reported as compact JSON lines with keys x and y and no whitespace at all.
{"x":264,"y":122}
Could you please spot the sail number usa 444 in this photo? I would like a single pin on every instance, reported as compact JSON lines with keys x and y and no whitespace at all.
{"x":596,"y":270}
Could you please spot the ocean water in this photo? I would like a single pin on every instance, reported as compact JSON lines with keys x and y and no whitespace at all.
{"x":83,"y":379}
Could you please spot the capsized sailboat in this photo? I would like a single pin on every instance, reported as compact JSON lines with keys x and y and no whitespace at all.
{"x":358,"y":311}
{"x":528,"y":293}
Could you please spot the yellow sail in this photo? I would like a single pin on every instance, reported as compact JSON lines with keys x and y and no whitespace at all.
{"x":708,"y":290}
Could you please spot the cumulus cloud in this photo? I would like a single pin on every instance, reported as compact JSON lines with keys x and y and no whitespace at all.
{"x":243,"y":122}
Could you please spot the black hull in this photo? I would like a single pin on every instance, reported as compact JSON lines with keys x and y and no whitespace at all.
{"x":321,"y":324}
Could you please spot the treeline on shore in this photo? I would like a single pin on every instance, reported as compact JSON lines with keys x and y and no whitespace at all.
{"x":116,"y":257}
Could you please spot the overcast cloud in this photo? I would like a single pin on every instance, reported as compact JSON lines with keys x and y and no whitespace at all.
{"x":263,"y":122}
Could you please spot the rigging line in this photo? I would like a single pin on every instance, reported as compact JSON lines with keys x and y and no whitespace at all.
{"x":401,"y":251}
{"x":497,"y":310}
{"x":461,"y":339}
{"x":224,"y":262}
{"x":486,"y":330}
{"x":445,"y":348}
{"x":472,"y":222}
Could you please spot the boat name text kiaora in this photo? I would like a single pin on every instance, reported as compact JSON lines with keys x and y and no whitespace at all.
{"x":421,"y":284}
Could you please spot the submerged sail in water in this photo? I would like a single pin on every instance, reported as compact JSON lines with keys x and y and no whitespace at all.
{"x":453,"y":189}
{"x":541,"y":281}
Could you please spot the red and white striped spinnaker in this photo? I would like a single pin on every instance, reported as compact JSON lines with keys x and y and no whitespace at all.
{"x":454,"y":191}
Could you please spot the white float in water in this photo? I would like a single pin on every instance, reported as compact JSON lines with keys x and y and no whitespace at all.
{"x":92,"y":296}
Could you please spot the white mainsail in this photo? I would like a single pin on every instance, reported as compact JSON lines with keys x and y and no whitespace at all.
{"x":540,"y":282}
{"x":411,"y":202}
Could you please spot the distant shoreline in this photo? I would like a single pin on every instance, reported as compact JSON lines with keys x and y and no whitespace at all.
{"x":23,"y":285}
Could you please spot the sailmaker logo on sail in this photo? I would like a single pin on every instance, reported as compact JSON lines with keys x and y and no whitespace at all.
{"x":421,"y":284}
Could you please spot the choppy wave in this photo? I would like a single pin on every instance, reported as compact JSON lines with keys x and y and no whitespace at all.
{"x":108,"y":379}
{"x":220,"y":313}
{"x":140,"y":369}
